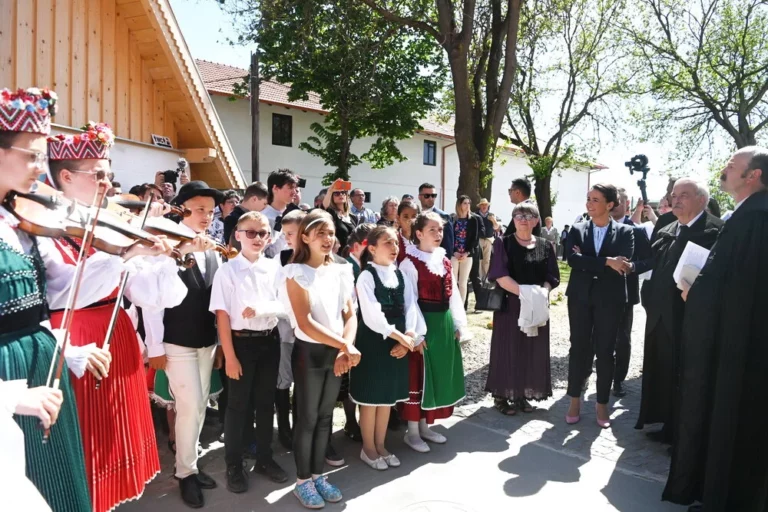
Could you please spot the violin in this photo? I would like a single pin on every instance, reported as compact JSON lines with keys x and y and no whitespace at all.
{"x":45,"y":212}
{"x":134,"y":204}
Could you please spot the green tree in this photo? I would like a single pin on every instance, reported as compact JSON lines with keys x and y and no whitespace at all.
{"x":479,"y":40}
{"x":376,"y":79}
{"x":571,"y":64}
{"x":706,"y":69}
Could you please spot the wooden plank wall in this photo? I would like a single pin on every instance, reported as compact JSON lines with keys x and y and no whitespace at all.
{"x":90,"y":53}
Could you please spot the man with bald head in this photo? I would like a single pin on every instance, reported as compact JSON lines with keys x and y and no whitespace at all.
{"x":664,"y":303}
{"x":720,"y":455}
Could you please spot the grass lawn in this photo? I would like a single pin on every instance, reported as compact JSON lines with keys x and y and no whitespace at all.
{"x":565,"y":272}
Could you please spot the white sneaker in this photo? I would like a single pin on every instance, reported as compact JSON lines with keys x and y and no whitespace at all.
{"x":377,"y":463}
{"x":416,"y":443}
{"x":430,"y":435}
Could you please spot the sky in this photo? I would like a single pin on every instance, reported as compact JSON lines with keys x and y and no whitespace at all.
{"x":207,"y":28}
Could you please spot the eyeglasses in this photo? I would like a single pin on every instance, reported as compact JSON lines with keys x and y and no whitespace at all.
{"x":527,"y":216}
{"x":429,"y":196}
{"x":340,"y":193}
{"x":250,"y":234}
{"x":41,"y":159}
{"x":98,"y":175}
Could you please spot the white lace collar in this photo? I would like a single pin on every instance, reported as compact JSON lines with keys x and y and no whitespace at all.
{"x":433,"y":260}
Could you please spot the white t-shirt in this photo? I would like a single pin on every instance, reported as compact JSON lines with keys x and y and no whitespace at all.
{"x":240,"y":284}
{"x":330,"y":288}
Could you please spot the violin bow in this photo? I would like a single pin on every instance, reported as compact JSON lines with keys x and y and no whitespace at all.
{"x":69,"y":311}
{"x":120,"y":293}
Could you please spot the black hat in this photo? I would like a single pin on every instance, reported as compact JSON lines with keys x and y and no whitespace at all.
{"x":194,"y":189}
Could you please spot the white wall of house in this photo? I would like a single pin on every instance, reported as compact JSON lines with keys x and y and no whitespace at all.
{"x":135,"y":163}
{"x":398,"y":179}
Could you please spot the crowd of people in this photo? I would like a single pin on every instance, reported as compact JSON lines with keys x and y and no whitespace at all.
{"x":269,"y":305}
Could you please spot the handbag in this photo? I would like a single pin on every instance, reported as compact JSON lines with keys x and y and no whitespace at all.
{"x":490,"y":296}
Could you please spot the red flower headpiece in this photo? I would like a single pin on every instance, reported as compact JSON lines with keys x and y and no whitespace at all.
{"x":93,"y":143}
{"x":27,"y":110}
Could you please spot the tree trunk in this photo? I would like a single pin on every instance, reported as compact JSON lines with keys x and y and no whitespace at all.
{"x":463,"y":128}
{"x":346,"y":144}
{"x":542,"y":190}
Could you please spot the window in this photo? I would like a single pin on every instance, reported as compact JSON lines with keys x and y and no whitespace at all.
{"x":430,"y":152}
{"x":282,"y":130}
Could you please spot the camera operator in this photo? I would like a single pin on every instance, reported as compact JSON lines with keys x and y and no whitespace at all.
{"x":166,"y":180}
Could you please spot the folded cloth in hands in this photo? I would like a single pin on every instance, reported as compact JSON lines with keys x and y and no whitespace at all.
{"x":534,"y":308}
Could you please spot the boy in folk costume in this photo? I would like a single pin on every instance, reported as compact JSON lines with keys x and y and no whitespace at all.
{"x":182,"y":341}
{"x":436,"y":369}
{"x":115,"y":420}
{"x":244,"y":299}
{"x":27,"y":265}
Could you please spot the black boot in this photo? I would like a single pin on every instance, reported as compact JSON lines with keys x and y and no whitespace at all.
{"x":283,"y":407}
{"x":190,"y":492}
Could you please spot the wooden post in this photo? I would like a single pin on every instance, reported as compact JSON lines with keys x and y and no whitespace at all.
{"x":254,"y":117}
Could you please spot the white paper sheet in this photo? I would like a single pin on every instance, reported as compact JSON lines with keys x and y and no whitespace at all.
{"x":693,"y":255}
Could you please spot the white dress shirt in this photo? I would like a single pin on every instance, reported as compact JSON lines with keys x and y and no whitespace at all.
{"x":370,"y":308}
{"x":598,"y":236}
{"x":240,"y":284}
{"x":690,"y":223}
{"x":330,"y":288}
{"x":154,"y":329}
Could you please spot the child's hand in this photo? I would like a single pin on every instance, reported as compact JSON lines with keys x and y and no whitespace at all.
{"x":421,"y":347}
{"x":398,"y":351}
{"x":234,"y":370}
{"x":406,"y":342}
{"x":353,"y":354}
{"x":249,"y":313}
{"x":341,"y":365}
{"x":458,"y":335}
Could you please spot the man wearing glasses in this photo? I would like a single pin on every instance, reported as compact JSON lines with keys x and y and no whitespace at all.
{"x":427,"y":196}
{"x":520,"y":192}
{"x":361,"y":214}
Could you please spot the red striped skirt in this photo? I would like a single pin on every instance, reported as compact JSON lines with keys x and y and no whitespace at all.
{"x":411,"y":410}
{"x":115,"y":420}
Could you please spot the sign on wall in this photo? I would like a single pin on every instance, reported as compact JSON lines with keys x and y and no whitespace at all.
{"x":160,"y":140}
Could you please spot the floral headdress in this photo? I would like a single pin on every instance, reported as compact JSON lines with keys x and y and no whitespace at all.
{"x":93,"y":143}
{"x":27,"y":110}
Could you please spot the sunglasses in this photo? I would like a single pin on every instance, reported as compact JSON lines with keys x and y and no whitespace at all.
{"x":429,"y":196}
{"x":521,"y":217}
{"x":340,"y":193}
{"x":250,"y":234}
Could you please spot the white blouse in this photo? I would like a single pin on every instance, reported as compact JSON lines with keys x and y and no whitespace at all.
{"x":330,"y":288}
{"x":240,"y":284}
{"x":434,"y":262}
{"x":370,"y":308}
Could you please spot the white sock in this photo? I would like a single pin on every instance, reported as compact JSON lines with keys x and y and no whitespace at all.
{"x":299,"y":481}
{"x":413,"y":428}
{"x":423,"y":424}
{"x":315,"y":477}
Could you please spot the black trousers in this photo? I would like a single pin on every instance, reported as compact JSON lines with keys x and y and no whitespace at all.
{"x":315,"y":391}
{"x":474,"y":273}
{"x":594,"y":326}
{"x":259,"y":359}
{"x":624,"y":345}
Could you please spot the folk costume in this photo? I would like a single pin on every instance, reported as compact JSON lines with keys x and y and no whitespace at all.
{"x":115,"y":420}
{"x":186,"y":335}
{"x":27,"y":347}
{"x":436,"y":379}
{"x":387,"y":303}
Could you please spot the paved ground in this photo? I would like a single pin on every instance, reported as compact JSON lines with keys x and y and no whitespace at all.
{"x":491,"y":462}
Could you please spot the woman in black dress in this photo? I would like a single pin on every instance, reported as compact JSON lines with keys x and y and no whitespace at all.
{"x":519,"y":369}
{"x":336,"y":202}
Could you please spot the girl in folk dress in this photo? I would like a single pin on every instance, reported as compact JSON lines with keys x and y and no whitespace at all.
{"x":406,"y":214}
{"x":436,"y":370}
{"x":322,"y":313}
{"x":385,"y":335}
{"x":356,"y":246}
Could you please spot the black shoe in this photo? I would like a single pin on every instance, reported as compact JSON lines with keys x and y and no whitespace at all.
{"x":190,"y":492}
{"x":205,"y":481}
{"x":618,"y":390}
{"x":237,"y":479}
{"x":332,"y":458}
{"x":659,"y":436}
{"x":271,"y":469}
{"x":353,"y":433}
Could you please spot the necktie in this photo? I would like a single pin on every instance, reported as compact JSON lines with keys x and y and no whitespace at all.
{"x":684,"y":230}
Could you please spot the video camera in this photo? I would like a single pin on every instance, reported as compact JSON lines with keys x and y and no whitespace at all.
{"x":172,"y":176}
{"x":639,"y":163}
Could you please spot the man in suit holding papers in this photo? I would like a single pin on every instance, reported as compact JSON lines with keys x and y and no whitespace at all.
{"x":720,"y":456}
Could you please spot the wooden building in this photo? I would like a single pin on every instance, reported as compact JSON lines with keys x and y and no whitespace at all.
{"x":123,"y":62}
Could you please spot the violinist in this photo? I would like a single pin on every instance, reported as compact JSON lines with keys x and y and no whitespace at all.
{"x":115,"y":419}
{"x":27,"y":347}
{"x":182,"y":341}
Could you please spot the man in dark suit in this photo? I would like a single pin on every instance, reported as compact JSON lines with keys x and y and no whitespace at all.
{"x":520,"y":192}
{"x":664,"y":305}
{"x":427,"y":197}
{"x":597,"y":296}
{"x":624,"y":337}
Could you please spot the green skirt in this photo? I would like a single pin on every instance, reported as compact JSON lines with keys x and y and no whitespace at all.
{"x":56,"y":468}
{"x":161,"y":391}
{"x":443,"y":367}
{"x":379,"y":379}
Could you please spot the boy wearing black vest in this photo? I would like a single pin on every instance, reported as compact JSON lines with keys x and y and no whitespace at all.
{"x":182,"y":341}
